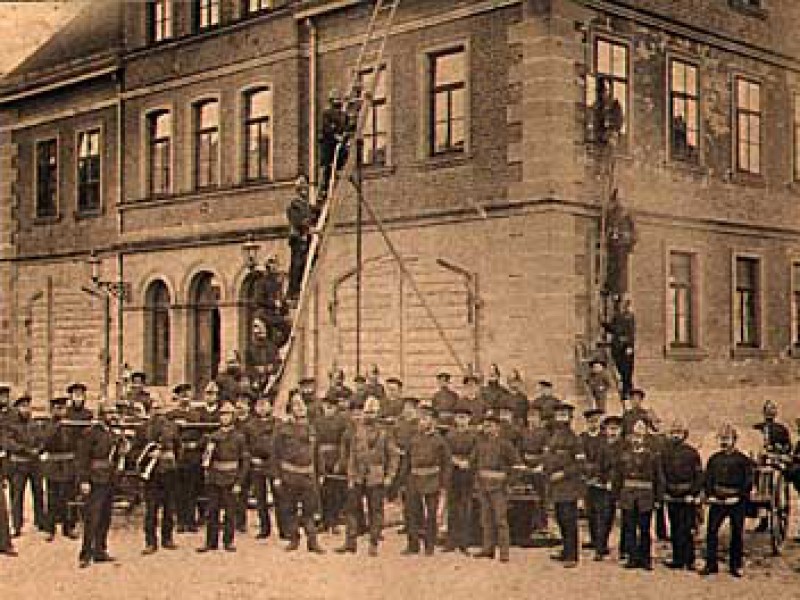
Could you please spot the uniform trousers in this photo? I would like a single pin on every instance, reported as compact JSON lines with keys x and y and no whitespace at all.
{"x":637,"y":534}
{"x":5,"y":530}
{"x":160,"y":495}
{"x":681,"y":521}
{"x":97,"y":520}
{"x":189,"y":485}
{"x":600,"y":515}
{"x":21,"y":475}
{"x":305,"y":500}
{"x":422,"y":512}
{"x":494,"y":520}
{"x":716,"y":516}
{"x":59,"y":495}
{"x":354,"y":505}
{"x":261,"y":485}
{"x":299,"y":245}
{"x":333,"y":494}
{"x":459,"y":511}
{"x":567,"y":518}
{"x":242,"y":506}
{"x":220,"y":497}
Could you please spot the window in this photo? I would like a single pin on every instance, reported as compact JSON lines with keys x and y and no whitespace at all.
{"x":796,"y":305}
{"x":47,"y":178}
{"x":206,"y":144}
{"x":254,"y":6}
{"x":681,"y":299}
{"x":206,"y":13}
{"x":684,"y":115}
{"x":257,"y":133}
{"x":448,"y":101}
{"x":376,"y":129}
{"x":746,"y":308}
{"x":159,"y":128}
{"x":89,"y":171}
{"x":796,"y":129}
{"x":159,"y":20}
{"x":748,"y":126}
{"x":611,"y":66}
{"x":157,"y":333}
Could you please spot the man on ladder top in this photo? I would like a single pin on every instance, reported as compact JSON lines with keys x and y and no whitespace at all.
{"x":302,"y":218}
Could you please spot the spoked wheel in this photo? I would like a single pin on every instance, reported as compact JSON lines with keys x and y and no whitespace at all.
{"x":780,"y":509}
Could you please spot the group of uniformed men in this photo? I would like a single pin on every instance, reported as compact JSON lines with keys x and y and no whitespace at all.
{"x":331,"y":454}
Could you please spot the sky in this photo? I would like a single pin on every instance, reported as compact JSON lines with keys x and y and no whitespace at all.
{"x":24,"y":26}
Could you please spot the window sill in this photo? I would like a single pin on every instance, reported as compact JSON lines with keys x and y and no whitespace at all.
{"x":754,"y":180}
{"x":747,"y":9}
{"x":47,"y":220}
{"x":685,"y":353}
{"x":189,"y":196}
{"x":378,"y":171}
{"x":87,"y":214}
{"x":747,"y":352}
{"x":449,"y":159}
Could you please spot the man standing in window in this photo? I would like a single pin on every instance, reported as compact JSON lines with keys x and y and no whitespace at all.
{"x":608,"y":117}
{"x":334,"y":123}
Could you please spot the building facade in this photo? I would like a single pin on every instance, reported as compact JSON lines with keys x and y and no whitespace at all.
{"x":481,"y":161}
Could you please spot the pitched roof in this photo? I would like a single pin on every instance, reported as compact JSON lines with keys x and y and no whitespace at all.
{"x":93,"y":37}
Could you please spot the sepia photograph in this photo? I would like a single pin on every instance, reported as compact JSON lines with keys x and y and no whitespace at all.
{"x":399,"y":299}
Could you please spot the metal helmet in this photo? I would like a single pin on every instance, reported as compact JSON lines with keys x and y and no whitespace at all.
{"x":639,"y":428}
{"x":770,"y":409}
{"x":212,"y":388}
{"x":372,"y":406}
{"x":335,"y":96}
{"x":727,"y":430}
{"x":227,"y":408}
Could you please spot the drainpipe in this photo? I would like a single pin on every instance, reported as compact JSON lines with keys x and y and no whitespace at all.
{"x":312,"y":102}
{"x":120,"y":272}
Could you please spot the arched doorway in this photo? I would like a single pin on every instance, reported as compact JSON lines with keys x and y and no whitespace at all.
{"x":204,"y":329}
{"x":157,"y":333}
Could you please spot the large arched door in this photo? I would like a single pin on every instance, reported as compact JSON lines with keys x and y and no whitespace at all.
{"x":261,"y":297}
{"x":205,"y":329}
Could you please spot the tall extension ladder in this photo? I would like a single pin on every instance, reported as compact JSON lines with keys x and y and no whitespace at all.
{"x":370,"y":56}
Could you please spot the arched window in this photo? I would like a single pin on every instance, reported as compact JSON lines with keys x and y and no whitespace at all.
{"x":157,"y":332}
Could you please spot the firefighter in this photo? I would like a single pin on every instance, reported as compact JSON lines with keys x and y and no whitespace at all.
{"x":461,"y":440}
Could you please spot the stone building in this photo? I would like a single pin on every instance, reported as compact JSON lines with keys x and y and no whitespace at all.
{"x":481,"y":162}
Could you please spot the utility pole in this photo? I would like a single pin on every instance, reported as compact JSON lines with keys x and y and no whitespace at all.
{"x":359,"y":181}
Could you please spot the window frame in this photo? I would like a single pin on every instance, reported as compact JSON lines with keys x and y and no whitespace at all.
{"x":737,"y":167}
{"x":196,"y":131}
{"x":691,"y":302}
{"x":449,"y":89}
{"x":247,"y":11}
{"x":794,"y":308}
{"x":206,"y":6}
{"x":147,"y":164}
{"x":597,"y":36}
{"x":424,"y":118}
{"x":100,"y":130}
{"x":244,"y":122}
{"x":758,"y":296}
{"x":163,"y":30}
{"x":152,"y":311}
{"x":795,"y":112}
{"x":385,"y":104}
{"x":670,"y":104}
{"x":36,"y":187}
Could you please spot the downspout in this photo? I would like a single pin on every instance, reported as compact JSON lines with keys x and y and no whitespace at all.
{"x":120,"y":264}
{"x":312,"y":101}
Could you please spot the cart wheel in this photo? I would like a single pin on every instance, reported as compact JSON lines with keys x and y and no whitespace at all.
{"x":780,"y":507}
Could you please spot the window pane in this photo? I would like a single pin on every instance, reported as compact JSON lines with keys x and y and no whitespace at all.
{"x":620,"y":64}
{"x":449,"y":68}
{"x":161,"y":125}
{"x":458,"y":98}
{"x":691,"y":80}
{"x":603,"y":57}
{"x":259,"y":104}
{"x":208,"y":115}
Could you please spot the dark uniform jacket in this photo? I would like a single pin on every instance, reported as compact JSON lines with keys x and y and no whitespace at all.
{"x":632,"y":415}
{"x":598,"y":460}
{"x":729,"y":475}
{"x":330,"y":431}
{"x":58,"y":458}
{"x":428,"y":463}
{"x":492,"y":459}
{"x":165,"y":433}
{"x":518,"y":401}
{"x":776,"y":437}
{"x":98,"y":454}
{"x":532,"y":445}
{"x":295,"y":455}
{"x":546,"y":404}
{"x":444,"y":401}
{"x":495,"y":396}
{"x":339,"y":393}
{"x":191,"y":438}
{"x":79,"y":414}
{"x":259,"y":433}
{"x":639,"y":479}
{"x":230,"y":459}
{"x":461,"y":444}
{"x":683,"y":470}
{"x":564,"y":463}
{"x":24,"y":442}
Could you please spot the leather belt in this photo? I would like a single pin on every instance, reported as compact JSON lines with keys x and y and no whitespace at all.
{"x":191,"y":445}
{"x":258,"y":461}
{"x":16,"y":458}
{"x":325,"y":448}
{"x":638,"y":484}
{"x":225,"y":465}
{"x":59,"y":456}
{"x":725,"y":491}
{"x":532,"y":457}
{"x":492,"y":474}
{"x":423,"y":471}
{"x":299,"y":469}
{"x":680,"y":488}
{"x":461,"y":462}
{"x":167,"y":454}
{"x":100,"y":463}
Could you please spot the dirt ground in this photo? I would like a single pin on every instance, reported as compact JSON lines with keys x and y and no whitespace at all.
{"x":263,"y":570}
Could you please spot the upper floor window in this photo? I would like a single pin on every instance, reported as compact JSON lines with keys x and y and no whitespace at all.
{"x":796,"y":305}
{"x":206,"y":13}
{"x":376,"y":128}
{"x":159,"y":131}
{"x":89,"y":171}
{"x":746,"y":302}
{"x":681,"y":299}
{"x":684,"y":114}
{"x":748,"y":126}
{"x":47,"y":178}
{"x":448,"y":101}
{"x":159,"y":20}
{"x":257,"y":133}
{"x":254,"y":6}
{"x":796,"y":138}
{"x":206,"y":143}
{"x":609,"y":89}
